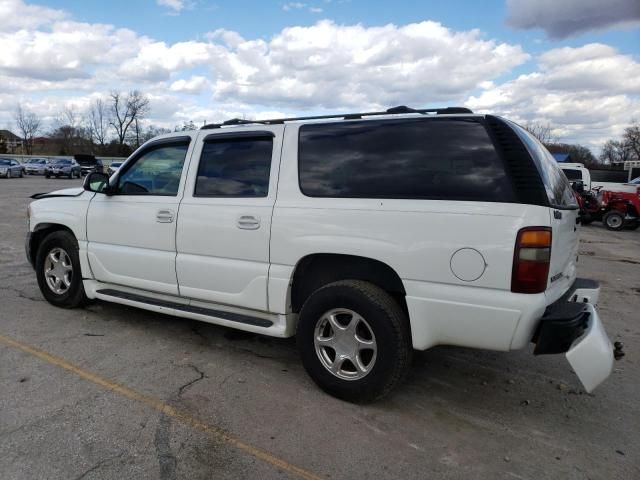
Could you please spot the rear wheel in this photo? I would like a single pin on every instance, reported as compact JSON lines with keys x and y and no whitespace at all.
{"x":613,"y":220}
{"x":354,"y":340}
{"x":58,"y":270}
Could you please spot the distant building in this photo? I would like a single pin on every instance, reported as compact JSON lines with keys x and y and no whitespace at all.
{"x":12,"y":141}
{"x":562,"y":157}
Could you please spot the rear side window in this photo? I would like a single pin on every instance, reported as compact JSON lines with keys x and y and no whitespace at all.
{"x":556,"y":184}
{"x":452,"y":159}
{"x":572,"y":174}
{"x":235,"y":168}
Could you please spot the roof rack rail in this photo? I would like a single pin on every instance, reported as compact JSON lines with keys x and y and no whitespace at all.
{"x":402,"y":109}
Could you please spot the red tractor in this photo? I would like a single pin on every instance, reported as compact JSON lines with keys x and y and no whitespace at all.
{"x":616,"y":210}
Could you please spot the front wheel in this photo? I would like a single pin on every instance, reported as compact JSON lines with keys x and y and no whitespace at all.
{"x":613,"y":220}
{"x":354,"y":340}
{"x":58,"y":270}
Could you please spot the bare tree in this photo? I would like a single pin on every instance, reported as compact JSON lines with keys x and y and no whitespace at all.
{"x":614,"y":151}
{"x":631,"y":138}
{"x":98,"y":121}
{"x":125,"y":110}
{"x":67,"y":129}
{"x":28,"y":124}
{"x":542,"y":132}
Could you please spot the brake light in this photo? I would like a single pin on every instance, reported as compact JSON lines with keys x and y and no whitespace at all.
{"x":531,"y":260}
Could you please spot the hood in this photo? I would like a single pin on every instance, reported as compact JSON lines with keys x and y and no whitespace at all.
{"x":67,"y":192}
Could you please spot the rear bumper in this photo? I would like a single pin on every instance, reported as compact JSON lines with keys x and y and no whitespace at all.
{"x":572,"y":326}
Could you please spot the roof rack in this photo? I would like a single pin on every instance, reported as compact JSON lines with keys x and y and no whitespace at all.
{"x":348,"y":116}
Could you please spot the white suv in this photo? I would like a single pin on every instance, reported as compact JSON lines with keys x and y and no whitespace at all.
{"x":364,"y":235}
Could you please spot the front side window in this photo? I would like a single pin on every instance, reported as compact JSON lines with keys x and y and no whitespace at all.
{"x":447,"y":159}
{"x":237,"y":167}
{"x":155,"y":172}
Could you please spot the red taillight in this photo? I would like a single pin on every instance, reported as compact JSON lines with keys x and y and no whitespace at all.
{"x":531,"y":260}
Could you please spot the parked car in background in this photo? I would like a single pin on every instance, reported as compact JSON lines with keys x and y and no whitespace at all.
{"x":89,"y":163}
{"x":356,"y":233}
{"x":36,"y":166}
{"x":63,"y":168}
{"x":11,"y":168}
{"x":114,"y":167}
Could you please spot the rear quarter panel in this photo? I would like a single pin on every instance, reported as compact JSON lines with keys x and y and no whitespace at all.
{"x":416,"y":238}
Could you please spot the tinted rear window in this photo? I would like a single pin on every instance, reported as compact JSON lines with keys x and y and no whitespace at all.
{"x":556,"y":184}
{"x":235,"y":168}
{"x":572,"y":174}
{"x":452,"y":159}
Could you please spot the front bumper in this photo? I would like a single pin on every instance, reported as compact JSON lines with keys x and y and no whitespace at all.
{"x":572,"y":326}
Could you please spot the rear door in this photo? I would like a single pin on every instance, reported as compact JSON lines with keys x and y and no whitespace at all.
{"x":224,"y":223}
{"x":563,"y":215}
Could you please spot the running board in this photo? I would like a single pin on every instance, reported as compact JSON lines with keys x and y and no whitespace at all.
{"x":230,"y":316}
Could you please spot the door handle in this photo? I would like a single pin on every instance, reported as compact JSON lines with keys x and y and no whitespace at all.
{"x":248,"y":222}
{"x":164,"y":216}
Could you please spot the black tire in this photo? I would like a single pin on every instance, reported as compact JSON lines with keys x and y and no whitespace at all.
{"x":21,"y":173}
{"x":74,"y":296}
{"x":386,"y":320}
{"x":613,"y":220}
{"x":46,"y":175}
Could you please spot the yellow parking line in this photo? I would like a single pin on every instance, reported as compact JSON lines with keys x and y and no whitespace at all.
{"x":162,"y":407}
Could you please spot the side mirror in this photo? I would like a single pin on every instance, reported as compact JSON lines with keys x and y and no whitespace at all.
{"x":97,"y":182}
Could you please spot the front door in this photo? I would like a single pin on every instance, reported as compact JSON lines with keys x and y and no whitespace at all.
{"x":132,"y":232}
{"x":224,"y":221}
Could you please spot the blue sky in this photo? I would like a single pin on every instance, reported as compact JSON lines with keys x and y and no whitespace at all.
{"x":547,"y":61}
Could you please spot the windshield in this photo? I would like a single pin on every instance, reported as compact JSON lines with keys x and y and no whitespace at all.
{"x":4,"y":161}
{"x":635,"y":181}
{"x":62,"y":162}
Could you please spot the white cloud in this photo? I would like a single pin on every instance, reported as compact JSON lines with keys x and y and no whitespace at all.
{"x":588,"y":93}
{"x":564,"y":18}
{"x":288,"y":7}
{"x":16,"y":15}
{"x":175,"y":5}
{"x":293,"y":6}
{"x":328,"y":65}
{"x":193,"y":85}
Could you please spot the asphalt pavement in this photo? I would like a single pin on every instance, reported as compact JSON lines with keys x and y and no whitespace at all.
{"x":109,"y":391}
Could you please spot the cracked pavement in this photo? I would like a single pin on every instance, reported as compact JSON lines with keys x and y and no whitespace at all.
{"x":462,"y":413}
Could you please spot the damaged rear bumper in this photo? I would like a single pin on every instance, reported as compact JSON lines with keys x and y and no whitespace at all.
{"x":572,"y":326}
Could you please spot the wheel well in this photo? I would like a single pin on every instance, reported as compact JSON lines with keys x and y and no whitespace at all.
{"x":314,"y":271}
{"x":40,"y":232}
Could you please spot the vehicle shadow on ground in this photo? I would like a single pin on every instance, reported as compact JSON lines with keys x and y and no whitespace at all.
{"x":463,"y":379}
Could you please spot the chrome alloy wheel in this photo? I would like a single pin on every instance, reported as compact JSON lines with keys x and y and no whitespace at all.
{"x":345,"y":344}
{"x":58,"y":271}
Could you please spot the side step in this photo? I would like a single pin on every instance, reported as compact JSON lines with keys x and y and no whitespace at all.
{"x":232,"y":317}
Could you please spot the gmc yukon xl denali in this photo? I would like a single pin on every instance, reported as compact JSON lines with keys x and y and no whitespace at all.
{"x":367,"y":236}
